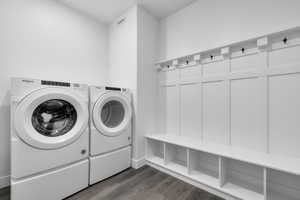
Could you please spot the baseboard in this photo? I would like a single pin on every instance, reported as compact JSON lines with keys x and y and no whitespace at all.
{"x":4,"y":181}
{"x":138,"y":163}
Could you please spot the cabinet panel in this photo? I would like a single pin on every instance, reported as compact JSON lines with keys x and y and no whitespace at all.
{"x":285,"y":57}
{"x":172,"y":110}
{"x":214,"y":112}
{"x":214,"y":69}
{"x":247,"y":63}
{"x":284,"y":114}
{"x":168,"y":77}
{"x":191,"y":110}
{"x":247,"y":112}
{"x":190,"y":74}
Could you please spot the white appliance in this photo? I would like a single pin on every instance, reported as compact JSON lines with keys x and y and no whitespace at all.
{"x":49,"y":139}
{"x":110,"y":125}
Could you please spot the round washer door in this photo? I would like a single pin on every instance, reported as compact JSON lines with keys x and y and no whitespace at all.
{"x":51,"y":118}
{"x":112,"y":114}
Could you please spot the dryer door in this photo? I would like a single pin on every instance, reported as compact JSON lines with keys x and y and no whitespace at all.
{"x":51,"y":118}
{"x":112,"y":114}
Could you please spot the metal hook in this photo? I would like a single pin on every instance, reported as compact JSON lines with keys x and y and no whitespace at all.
{"x":285,"y":40}
{"x":243,"y":50}
{"x":211,"y":57}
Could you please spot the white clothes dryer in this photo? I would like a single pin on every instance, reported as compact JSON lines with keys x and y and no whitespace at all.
{"x":49,"y":139}
{"x":111,"y":130}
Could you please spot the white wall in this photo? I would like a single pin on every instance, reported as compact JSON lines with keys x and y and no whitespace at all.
{"x":123,"y":50}
{"x":208,"y":24}
{"x":132,"y":53}
{"x":46,"y":40}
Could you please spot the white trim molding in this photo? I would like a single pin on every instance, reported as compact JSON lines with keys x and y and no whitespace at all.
{"x":138,"y":163}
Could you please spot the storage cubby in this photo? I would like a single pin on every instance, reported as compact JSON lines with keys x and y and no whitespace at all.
{"x":204,"y":167}
{"x":282,"y":186}
{"x":242,"y":179}
{"x":155,"y":151}
{"x":176,"y":158}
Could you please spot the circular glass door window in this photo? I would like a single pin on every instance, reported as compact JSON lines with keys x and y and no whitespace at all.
{"x":54,"y":117}
{"x":112,"y":114}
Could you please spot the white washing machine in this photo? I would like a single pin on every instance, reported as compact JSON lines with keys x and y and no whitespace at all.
{"x":110,"y":125}
{"x":49,"y":139}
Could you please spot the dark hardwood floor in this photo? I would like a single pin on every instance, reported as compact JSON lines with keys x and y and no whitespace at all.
{"x":145,"y":183}
{"x":4,"y":194}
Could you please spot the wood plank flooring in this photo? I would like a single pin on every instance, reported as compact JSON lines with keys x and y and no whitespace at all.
{"x":145,"y":183}
{"x":4,"y":194}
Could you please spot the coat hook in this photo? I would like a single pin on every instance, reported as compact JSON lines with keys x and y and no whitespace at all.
{"x":243,"y":50}
{"x":187,"y":62}
{"x":211,"y":57}
{"x":285,"y":40}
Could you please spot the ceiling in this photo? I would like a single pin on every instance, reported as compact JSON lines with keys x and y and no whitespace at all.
{"x":108,"y":10}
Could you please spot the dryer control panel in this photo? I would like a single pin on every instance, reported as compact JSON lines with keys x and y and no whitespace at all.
{"x":55,"y":83}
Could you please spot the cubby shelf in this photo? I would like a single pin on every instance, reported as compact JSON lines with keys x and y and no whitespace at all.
{"x":281,"y":163}
{"x":238,"y":173}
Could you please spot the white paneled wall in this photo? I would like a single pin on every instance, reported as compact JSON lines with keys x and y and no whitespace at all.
{"x":284,"y":102}
{"x":190,"y":121}
{"x":248,"y":99}
{"x":214,"y":112}
{"x":243,"y":100}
